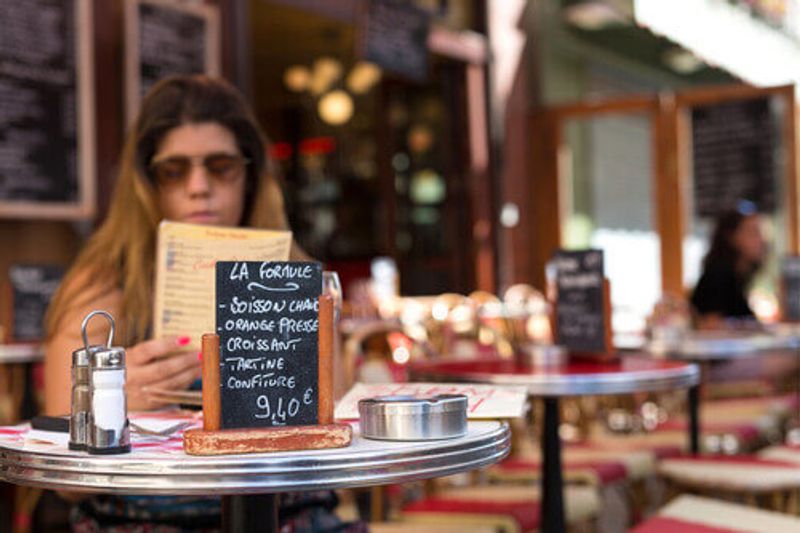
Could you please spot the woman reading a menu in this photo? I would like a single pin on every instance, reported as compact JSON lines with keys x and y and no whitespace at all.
{"x":195,"y":154}
{"x":736,"y":253}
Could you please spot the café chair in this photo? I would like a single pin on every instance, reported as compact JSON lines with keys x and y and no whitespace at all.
{"x":609,"y":478}
{"x":782,"y":452}
{"x":694,"y":513}
{"x":523,"y":293}
{"x":405,"y":527}
{"x":378,"y":352}
{"x":506,"y":508}
{"x":453,"y":327}
{"x":738,"y":425}
{"x":370,"y":352}
{"x":728,"y":426}
{"x":620,"y":476}
{"x":751,"y":389}
{"x":482,"y":297}
{"x":751,"y":479}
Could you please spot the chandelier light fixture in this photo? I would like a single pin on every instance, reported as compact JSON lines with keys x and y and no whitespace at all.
{"x":327,"y":82}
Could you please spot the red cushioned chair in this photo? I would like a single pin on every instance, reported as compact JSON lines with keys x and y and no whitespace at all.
{"x":507,"y":508}
{"x":693,"y":514}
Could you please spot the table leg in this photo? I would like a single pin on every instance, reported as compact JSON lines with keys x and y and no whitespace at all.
{"x":258,"y":512}
{"x":694,"y":419}
{"x":552,"y":507}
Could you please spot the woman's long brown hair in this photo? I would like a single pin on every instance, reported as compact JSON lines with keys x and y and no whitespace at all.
{"x":121,"y":253}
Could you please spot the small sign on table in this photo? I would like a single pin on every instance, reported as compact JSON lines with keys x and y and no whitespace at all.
{"x":267,"y":372}
{"x":483,"y":401}
{"x":583,"y":307}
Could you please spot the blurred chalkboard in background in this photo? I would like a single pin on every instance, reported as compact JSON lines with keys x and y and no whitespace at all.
{"x":170,"y":42}
{"x":38,"y":101}
{"x":32,"y":287}
{"x":167,"y":38}
{"x":581,"y":303}
{"x":396,"y":38}
{"x":734,"y":155}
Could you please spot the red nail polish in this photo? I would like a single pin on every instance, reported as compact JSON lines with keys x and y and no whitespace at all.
{"x":183,"y":341}
{"x":199,"y":356}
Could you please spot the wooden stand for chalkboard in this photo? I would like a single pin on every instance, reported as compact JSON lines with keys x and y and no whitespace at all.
{"x":610,"y":353}
{"x":211,"y":440}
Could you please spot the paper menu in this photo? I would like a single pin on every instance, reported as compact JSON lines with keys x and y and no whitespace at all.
{"x":185,"y":259}
{"x":483,"y":401}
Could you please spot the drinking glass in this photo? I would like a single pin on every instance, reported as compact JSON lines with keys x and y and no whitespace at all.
{"x":332,"y":286}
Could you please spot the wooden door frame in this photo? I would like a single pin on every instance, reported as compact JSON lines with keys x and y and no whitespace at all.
{"x":546,"y":164}
{"x":471,"y":49}
{"x":671,"y":138}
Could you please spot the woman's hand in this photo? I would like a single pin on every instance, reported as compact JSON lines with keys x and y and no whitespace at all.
{"x":161,"y":364}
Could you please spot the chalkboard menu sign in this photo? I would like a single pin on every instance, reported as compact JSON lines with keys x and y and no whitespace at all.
{"x":267,"y":320}
{"x":32,"y":287}
{"x":168,"y":38}
{"x":790,"y":288}
{"x":46,"y":139}
{"x":396,"y":37}
{"x":733,"y":155}
{"x":581,"y":305}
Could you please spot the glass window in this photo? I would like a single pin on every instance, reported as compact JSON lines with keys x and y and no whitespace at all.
{"x":607,"y":195}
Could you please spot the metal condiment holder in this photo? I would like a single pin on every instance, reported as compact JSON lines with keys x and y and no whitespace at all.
{"x":99,"y":414}
{"x":406,"y":418}
{"x":542,"y":355}
{"x":81,"y":392}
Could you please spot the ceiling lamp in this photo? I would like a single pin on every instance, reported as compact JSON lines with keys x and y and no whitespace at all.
{"x":296,"y":78}
{"x":682,"y":61}
{"x":325,"y":72}
{"x":335,"y":108}
{"x":363,"y":77}
{"x":595,"y":14}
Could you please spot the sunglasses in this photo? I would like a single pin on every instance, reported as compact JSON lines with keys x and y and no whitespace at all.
{"x":221,"y":167}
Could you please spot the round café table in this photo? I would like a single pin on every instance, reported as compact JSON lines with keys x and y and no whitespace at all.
{"x":780,"y":343}
{"x":726,"y":346}
{"x":249,"y":483}
{"x":627,"y":375}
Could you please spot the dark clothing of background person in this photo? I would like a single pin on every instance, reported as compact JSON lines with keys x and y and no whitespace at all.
{"x":721,"y":291}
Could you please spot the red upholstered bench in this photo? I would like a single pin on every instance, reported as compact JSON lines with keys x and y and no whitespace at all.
{"x":723,"y":437}
{"x":520,"y":516}
{"x":511,"y":508}
{"x":745,"y":476}
{"x":401,"y":527}
{"x":598,"y":472}
{"x":783,"y":452}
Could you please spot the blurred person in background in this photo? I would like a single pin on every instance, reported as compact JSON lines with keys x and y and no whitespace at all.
{"x":736,"y":254}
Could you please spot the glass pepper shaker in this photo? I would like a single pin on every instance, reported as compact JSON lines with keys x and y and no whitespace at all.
{"x":79,"y":412}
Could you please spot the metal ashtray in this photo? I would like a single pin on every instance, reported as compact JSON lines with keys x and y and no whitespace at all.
{"x":408,"y":418}
{"x":542,"y":355}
